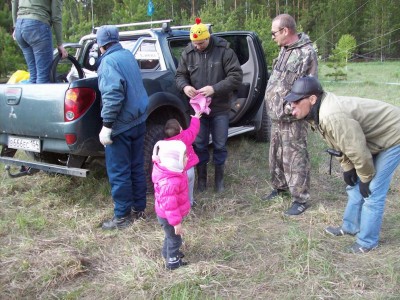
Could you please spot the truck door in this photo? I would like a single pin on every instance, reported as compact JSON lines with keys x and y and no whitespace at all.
{"x":248,"y":48}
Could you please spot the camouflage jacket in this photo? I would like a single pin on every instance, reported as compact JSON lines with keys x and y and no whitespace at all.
{"x":294,"y":61}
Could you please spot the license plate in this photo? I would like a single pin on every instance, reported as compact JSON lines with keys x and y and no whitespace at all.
{"x":26,"y":144}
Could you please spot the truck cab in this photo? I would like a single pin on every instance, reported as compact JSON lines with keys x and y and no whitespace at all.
{"x":58,"y":123}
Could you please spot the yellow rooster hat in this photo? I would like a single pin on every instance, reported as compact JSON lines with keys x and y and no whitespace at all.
{"x":199,"y":31}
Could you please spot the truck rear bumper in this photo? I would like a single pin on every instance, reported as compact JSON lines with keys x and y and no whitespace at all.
{"x":45,"y":167}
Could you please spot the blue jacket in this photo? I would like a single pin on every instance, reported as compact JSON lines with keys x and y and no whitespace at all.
{"x":123,"y":95}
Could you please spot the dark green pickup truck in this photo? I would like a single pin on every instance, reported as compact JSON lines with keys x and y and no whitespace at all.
{"x":58,"y":123}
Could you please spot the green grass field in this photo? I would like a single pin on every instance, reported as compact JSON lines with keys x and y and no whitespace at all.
{"x":238,"y":246}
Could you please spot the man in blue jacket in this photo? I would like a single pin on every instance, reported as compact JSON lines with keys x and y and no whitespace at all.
{"x":124,"y":114}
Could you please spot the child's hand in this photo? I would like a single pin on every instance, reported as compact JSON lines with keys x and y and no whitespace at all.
{"x":178,"y":229}
{"x":197,"y":115}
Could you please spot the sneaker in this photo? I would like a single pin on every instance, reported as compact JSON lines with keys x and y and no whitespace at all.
{"x":272,"y":195}
{"x":180,"y":255}
{"x":117,"y":223}
{"x":175,"y":263}
{"x":296,"y":209}
{"x":336,"y":231}
{"x":358,"y":249}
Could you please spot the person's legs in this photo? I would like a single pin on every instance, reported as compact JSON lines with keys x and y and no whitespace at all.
{"x":372,"y":210}
{"x":219,"y":133}
{"x":352,"y":212}
{"x":172,"y":244}
{"x":118,"y":163}
{"x":43,"y":51}
{"x":138,"y":176}
{"x":200,"y":145}
{"x":35,"y":40}
{"x":296,"y":162}
{"x":278,"y":180}
{"x":191,"y":178}
{"x":26,"y":49}
{"x":201,"y":148}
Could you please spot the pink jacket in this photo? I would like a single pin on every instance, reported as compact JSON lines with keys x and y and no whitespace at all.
{"x":171,"y":194}
{"x":188,"y":136}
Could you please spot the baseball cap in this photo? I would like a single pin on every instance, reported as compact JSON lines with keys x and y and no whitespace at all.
{"x":304,"y":87}
{"x":107,"y":34}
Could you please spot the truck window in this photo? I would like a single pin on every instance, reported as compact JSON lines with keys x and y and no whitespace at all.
{"x":177,"y":47}
{"x":147,"y":56}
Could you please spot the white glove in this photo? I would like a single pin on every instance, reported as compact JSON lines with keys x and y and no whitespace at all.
{"x":105,"y":136}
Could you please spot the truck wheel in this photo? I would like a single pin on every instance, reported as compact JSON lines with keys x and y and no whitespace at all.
{"x":263,"y":135}
{"x":154,"y":133}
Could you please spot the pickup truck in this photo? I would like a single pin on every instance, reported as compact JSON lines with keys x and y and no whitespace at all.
{"x":58,"y":124}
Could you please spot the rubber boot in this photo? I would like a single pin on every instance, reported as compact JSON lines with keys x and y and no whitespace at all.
{"x":201,"y":177}
{"x":219,"y":178}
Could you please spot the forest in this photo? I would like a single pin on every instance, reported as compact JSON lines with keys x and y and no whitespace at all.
{"x":373,"y":24}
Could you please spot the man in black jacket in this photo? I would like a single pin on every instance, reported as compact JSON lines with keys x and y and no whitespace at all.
{"x":209,"y":67}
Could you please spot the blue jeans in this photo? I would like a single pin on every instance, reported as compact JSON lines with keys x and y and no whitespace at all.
{"x":36,"y":42}
{"x":363,"y":216}
{"x":125,"y":169}
{"x":217,"y":126}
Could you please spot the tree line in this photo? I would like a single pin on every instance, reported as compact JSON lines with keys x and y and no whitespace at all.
{"x":374,"y":24}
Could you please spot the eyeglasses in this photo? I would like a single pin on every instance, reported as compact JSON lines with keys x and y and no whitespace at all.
{"x":273,"y":33}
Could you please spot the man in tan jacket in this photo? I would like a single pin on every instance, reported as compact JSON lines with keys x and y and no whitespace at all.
{"x":366,"y":134}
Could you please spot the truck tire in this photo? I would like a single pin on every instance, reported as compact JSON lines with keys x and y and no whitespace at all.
{"x":263,"y":135}
{"x":154,"y":133}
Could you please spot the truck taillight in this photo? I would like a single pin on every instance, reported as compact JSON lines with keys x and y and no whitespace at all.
{"x":77,"y":102}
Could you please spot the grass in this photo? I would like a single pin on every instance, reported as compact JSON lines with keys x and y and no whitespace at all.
{"x":238,"y":246}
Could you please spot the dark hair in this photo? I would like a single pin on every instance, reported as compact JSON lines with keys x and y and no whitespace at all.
{"x":172,"y":128}
{"x":287,"y":21}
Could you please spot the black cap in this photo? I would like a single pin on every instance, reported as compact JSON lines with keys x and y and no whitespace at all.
{"x":304,"y":87}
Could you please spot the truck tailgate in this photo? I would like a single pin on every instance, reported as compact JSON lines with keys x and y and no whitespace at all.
{"x":33,"y":110}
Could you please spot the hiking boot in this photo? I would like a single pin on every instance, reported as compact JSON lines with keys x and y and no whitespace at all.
{"x":358,"y":249}
{"x":272,"y":195}
{"x":336,"y":231}
{"x":117,"y":223}
{"x":175,"y":263}
{"x":139,"y":215}
{"x":296,"y":209}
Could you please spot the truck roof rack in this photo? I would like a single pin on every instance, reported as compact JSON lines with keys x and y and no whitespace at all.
{"x":165,"y":25}
{"x":138,"y":24}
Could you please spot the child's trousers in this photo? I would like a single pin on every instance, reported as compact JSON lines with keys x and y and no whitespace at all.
{"x":172,"y":242}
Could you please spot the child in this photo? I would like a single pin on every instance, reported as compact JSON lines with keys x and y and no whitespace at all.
{"x":174,"y":131}
{"x":171,"y":197}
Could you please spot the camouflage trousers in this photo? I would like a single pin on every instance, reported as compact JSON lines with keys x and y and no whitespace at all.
{"x":289,"y":162}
